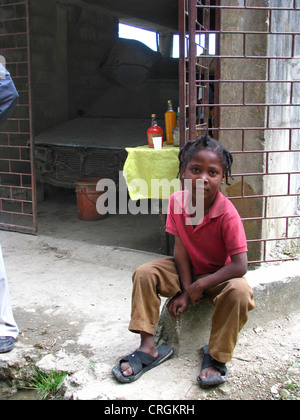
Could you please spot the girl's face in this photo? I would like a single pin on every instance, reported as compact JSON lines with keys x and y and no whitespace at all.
{"x":207,"y":166}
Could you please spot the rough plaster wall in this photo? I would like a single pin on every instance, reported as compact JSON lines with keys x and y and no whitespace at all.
{"x":287,"y":116}
{"x":245,"y":116}
{"x":271,"y":45}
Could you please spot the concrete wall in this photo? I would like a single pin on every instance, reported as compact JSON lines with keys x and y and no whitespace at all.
{"x":91,"y":36}
{"x":276,"y":293}
{"x":267,"y":44}
{"x":285,"y":117}
{"x":67,"y":46}
{"x":47,"y":42}
{"x":244,"y":116}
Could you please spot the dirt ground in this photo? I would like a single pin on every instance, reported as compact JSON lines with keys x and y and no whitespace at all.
{"x":265,"y":366}
{"x":71,"y":300}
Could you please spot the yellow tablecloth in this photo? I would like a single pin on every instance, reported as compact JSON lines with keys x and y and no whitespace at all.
{"x":145,"y":163}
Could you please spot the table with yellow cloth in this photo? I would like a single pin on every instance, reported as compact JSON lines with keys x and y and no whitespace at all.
{"x":146,"y":163}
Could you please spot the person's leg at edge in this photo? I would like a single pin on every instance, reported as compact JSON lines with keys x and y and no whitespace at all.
{"x":233,"y":299}
{"x":150,"y":280}
{"x":8,"y":326}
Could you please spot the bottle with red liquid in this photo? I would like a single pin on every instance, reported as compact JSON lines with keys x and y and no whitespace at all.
{"x":154,"y":131}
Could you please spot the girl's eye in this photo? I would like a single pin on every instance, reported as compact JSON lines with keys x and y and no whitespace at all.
{"x":195,"y":170}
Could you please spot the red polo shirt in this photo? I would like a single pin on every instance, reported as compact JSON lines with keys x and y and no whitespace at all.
{"x":211,"y":243}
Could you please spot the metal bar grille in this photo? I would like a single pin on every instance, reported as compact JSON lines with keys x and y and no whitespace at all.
{"x":254,"y":77}
{"x":17,"y":189}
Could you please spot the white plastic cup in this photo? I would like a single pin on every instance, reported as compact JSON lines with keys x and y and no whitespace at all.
{"x":157,"y":142}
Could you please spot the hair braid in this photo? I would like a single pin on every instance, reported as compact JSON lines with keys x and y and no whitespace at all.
{"x":206,"y":142}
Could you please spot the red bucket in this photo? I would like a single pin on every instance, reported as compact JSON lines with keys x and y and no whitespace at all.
{"x":87,"y":197}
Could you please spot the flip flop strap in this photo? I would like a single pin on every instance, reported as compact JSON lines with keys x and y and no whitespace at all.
{"x":137,"y":360}
{"x":208,"y":361}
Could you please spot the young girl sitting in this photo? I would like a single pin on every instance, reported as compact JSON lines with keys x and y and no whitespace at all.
{"x":210,"y":260}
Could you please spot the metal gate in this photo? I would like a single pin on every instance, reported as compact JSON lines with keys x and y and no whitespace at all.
{"x":17,"y":183}
{"x":245,"y":90}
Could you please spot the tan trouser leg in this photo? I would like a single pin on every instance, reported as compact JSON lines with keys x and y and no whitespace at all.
{"x":232,"y":299}
{"x":150,"y":280}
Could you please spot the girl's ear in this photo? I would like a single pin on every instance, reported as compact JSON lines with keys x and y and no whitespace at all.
{"x":223,"y":178}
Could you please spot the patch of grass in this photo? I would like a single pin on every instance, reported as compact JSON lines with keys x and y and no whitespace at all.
{"x":292,"y":387}
{"x":292,"y":384}
{"x":46,"y":384}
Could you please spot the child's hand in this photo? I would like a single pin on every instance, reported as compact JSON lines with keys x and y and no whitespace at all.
{"x":178,"y":305}
{"x":195,"y":292}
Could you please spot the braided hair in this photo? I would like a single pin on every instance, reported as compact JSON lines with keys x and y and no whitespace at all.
{"x":206,"y":142}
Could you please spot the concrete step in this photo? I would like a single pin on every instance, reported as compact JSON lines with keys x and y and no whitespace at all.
{"x":276,"y":290}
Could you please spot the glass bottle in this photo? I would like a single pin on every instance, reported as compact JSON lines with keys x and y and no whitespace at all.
{"x":170,"y":120}
{"x":176,"y":132}
{"x":154,"y":131}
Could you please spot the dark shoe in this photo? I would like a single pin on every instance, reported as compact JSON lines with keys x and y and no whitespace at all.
{"x":140,"y":363}
{"x":208,"y":361}
{"x":6,"y":344}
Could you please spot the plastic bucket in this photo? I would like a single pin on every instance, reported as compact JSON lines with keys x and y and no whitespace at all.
{"x":87,"y":198}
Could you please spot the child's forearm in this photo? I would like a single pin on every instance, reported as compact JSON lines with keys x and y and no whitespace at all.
{"x":183,"y":265}
{"x":236,"y":268}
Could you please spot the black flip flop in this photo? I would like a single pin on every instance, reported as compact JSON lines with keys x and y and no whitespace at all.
{"x":208,"y":361}
{"x":140,"y":363}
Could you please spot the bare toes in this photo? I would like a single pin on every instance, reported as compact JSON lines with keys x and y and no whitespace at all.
{"x":126,"y":369}
{"x":209,"y":372}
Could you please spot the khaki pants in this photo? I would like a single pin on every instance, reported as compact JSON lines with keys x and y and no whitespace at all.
{"x":232,"y":300}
